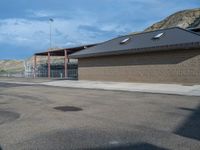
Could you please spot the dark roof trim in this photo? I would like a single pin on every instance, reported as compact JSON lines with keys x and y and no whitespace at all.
{"x":184,"y":46}
{"x":60,"y":52}
{"x":194,"y":30}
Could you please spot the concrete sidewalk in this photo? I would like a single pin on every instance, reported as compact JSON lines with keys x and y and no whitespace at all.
{"x":178,"y":89}
{"x":193,"y":90}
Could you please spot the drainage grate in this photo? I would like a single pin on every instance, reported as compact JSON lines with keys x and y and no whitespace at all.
{"x":68,"y":108}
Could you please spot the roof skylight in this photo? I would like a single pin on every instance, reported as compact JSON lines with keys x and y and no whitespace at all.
{"x":125,"y":40}
{"x":157,"y":36}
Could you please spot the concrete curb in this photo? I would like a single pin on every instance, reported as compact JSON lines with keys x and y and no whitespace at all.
{"x":175,"y":89}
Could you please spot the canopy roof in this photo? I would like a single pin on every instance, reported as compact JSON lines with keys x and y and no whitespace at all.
{"x":61,"y":52}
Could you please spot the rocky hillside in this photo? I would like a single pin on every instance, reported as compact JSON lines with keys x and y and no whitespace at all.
{"x":11,"y":66}
{"x":184,"y":19}
{"x":16,"y":66}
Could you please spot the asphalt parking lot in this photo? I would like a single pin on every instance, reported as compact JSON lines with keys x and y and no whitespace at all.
{"x":35,"y":117}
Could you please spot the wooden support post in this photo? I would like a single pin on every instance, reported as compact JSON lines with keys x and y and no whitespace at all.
{"x":49,"y":65}
{"x":66,"y":63}
{"x":34,"y":67}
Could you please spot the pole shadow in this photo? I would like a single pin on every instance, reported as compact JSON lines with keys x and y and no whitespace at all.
{"x":190,"y":128}
{"x":138,"y":146}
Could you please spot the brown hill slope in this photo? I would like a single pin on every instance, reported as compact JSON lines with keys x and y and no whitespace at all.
{"x":184,"y":19}
{"x":11,"y":66}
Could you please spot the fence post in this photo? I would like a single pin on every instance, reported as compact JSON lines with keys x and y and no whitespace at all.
{"x":34,"y":69}
{"x":49,"y":65}
{"x":66,"y":63}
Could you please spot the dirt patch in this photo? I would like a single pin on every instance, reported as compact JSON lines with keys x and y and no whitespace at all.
{"x":2,"y":103}
{"x":11,"y":85}
{"x":8,"y":116}
{"x":68,"y":108}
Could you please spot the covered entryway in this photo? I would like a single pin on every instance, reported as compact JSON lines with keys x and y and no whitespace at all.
{"x":62,"y":68}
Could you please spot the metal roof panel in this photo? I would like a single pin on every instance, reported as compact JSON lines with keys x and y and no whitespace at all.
{"x":141,"y":41}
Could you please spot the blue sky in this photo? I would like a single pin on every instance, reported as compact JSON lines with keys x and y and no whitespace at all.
{"x":24,"y":25}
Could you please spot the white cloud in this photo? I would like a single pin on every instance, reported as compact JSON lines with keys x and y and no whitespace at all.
{"x":35,"y":33}
{"x":21,"y":31}
{"x":40,"y":13}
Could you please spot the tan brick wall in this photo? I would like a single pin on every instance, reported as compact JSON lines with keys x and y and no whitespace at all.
{"x":160,"y":67}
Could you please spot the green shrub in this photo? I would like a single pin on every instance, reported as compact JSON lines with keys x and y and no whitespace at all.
{"x":2,"y":71}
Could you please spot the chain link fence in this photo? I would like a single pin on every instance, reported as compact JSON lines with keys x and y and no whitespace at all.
{"x":16,"y":75}
{"x":57,"y":71}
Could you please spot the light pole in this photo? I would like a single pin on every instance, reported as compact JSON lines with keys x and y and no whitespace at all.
{"x":50,"y":32}
{"x":49,"y":61}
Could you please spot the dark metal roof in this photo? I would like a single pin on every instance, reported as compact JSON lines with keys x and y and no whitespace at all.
{"x":61,"y":52}
{"x":197,"y":29}
{"x":173,"y":38}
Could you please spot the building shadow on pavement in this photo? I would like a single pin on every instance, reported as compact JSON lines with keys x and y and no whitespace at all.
{"x":139,"y":146}
{"x":191,"y":126}
{"x":11,"y":85}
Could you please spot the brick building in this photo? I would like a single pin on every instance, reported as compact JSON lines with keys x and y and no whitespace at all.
{"x":165,"y":56}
